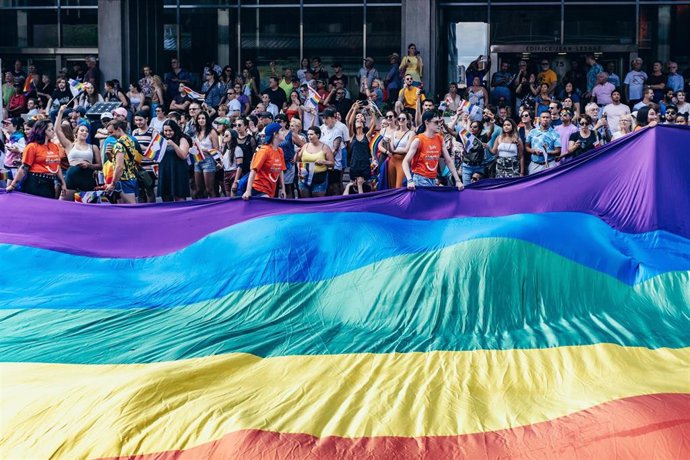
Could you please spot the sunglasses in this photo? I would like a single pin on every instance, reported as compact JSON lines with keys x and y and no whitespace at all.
{"x":230,"y":94}
{"x":390,"y":117}
{"x":402,"y":119}
{"x":583,"y":123}
{"x":525,"y":115}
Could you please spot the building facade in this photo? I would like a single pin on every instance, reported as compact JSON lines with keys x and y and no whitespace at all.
{"x":127,"y":34}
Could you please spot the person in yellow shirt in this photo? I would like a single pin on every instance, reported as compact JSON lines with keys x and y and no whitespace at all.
{"x":408,"y":97}
{"x":546,"y":75}
{"x":412,"y":64}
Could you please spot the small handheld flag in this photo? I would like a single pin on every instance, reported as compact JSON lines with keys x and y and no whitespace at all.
{"x":374,"y":145}
{"x":75,"y":87}
{"x":156,"y":148}
{"x":193,"y":94}
{"x":314,"y":96}
{"x":466,"y":137}
{"x":196,"y":151}
{"x":28,"y":83}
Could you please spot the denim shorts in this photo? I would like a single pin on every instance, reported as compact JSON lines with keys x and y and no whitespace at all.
{"x":208,"y":165}
{"x":422,"y":181}
{"x":316,"y":186}
{"x":127,"y":186}
{"x":260,"y":194}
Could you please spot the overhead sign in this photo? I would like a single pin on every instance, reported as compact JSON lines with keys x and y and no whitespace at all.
{"x":551,"y":48}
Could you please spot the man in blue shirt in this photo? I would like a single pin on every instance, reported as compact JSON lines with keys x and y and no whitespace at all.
{"x":173,"y":79}
{"x":594,"y":69}
{"x":614,"y":79}
{"x":674,"y":80}
{"x":544,"y":145}
{"x":501,"y":82}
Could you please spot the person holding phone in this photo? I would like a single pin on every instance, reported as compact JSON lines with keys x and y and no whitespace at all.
{"x":584,"y":140}
{"x":412,"y":64}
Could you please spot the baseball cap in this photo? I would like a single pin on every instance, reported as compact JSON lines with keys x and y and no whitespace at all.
{"x":269,"y":131}
{"x":222,"y":121}
{"x":106,"y":116}
{"x":266,"y":115}
{"x":120,"y":111}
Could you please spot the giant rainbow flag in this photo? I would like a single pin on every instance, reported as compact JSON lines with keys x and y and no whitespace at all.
{"x":545,"y":317}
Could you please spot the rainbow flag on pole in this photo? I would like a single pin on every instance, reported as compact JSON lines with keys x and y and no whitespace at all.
{"x":75,"y":87}
{"x":156,"y":149}
{"x":314,"y":96}
{"x":197,"y":151}
{"x":192,"y":94}
{"x":466,"y":137}
{"x":544,"y":317}
{"x":374,"y":145}
{"x":28,"y":83}
{"x":472,"y":109}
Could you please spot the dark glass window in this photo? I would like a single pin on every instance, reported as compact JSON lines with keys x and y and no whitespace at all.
{"x":383,"y":34}
{"x":600,"y":25}
{"x":79,"y":27}
{"x":335,"y":34}
{"x":270,"y":35}
{"x":525,"y":24}
{"x":41,"y":30}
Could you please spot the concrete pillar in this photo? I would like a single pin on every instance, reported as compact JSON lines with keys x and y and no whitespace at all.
{"x":419,"y":27}
{"x":110,"y":38}
{"x":223,"y":36}
{"x":663,"y":49}
{"x":22,"y":29}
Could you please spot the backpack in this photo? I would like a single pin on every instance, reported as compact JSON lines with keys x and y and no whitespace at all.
{"x":143,"y":177}
{"x":247,"y":154}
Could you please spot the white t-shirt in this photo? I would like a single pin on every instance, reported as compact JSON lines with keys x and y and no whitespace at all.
{"x":234,"y":107}
{"x":613,"y":113}
{"x":229,"y":165}
{"x":328,"y":137}
{"x":635,"y":80}
{"x":157,"y":124}
{"x":272,"y":109}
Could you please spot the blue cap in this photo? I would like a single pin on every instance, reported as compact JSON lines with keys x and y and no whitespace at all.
{"x":269,"y":131}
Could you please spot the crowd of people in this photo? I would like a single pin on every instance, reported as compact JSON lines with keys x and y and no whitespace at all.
{"x":309,"y":132}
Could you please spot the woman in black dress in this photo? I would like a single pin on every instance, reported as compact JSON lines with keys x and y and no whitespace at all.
{"x":173,"y":181}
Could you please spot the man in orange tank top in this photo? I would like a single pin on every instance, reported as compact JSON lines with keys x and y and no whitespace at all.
{"x":421,"y":162}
